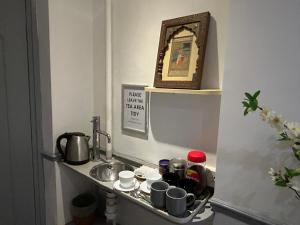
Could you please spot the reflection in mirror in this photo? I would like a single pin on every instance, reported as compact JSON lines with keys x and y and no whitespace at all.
{"x":181,"y":57}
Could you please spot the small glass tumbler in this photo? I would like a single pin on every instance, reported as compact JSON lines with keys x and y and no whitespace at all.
{"x":163,"y":166}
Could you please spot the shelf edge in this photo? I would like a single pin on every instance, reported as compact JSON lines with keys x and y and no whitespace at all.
{"x":184,"y":91}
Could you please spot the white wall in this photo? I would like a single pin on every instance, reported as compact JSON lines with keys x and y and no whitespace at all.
{"x":99,"y":59}
{"x":71,"y":58}
{"x":263,"y":53}
{"x":259,"y":52}
{"x":77,"y":92}
{"x":77,"y":57}
{"x":177,"y":122}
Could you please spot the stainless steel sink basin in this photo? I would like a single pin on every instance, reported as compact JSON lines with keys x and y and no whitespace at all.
{"x":109,"y":171}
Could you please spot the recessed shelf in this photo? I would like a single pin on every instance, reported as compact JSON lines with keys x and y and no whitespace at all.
{"x":184,"y":91}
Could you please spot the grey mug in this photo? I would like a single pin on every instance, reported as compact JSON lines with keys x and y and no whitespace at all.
{"x":158,"y":194}
{"x":177,"y":201}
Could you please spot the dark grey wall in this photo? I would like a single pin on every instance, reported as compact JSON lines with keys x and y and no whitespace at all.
{"x":18,"y":140}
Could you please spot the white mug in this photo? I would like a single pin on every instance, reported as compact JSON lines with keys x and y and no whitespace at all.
{"x":126,"y":178}
{"x":152,"y":177}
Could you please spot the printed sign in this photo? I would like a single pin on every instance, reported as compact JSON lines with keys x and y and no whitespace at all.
{"x":134,"y":108}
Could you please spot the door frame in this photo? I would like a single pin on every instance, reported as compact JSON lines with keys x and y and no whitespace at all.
{"x":35,"y":109}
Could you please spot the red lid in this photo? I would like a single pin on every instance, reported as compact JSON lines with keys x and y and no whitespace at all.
{"x":196,"y":156}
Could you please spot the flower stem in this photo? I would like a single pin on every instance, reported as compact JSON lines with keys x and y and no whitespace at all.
{"x":296,"y":192}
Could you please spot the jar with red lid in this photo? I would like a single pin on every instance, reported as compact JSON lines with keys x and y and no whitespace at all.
{"x":196,"y":169}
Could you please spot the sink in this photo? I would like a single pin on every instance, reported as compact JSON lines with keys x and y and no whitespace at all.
{"x":109,"y":171}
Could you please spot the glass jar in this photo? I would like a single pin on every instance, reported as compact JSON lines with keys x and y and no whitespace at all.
{"x":196,"y":169}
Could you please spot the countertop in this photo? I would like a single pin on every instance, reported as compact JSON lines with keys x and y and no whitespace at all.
{"x":85,"y":169}
{"x":107,"y":186}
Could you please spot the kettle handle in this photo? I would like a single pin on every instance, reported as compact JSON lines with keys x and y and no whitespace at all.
{"x":58,"y":143}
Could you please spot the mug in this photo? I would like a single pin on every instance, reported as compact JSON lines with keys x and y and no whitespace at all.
{"x":177,"y":201}
{"x":158,"y":194}
{"x":152,"y":177}
{"x":171,"y":178}
{"x":126,"y":178}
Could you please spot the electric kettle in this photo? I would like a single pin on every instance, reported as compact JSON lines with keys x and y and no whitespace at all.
{"x":77,"y":148}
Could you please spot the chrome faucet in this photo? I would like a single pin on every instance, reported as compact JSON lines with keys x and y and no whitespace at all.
{"x":96,"y":138}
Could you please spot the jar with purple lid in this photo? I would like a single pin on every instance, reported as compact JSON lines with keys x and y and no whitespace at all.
{"x":163,"y":166}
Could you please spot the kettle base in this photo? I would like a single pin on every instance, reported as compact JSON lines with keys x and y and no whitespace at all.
{"x":77,"y":162}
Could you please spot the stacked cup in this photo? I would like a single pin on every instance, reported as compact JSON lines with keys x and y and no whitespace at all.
{"x":151,"y":178}
{"x":126,"y":178}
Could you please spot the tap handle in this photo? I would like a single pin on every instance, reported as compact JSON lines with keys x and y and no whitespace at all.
{"x":96,"y":123}
{"x":95,"y":119}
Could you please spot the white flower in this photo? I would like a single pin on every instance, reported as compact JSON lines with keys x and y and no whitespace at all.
{"x":272,"y":172}
{"x":265,"y":114}
{"x":293,"y":130}
{"x":276,"y":121}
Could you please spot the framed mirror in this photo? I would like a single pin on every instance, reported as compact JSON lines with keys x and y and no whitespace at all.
{"x":181,"y":52}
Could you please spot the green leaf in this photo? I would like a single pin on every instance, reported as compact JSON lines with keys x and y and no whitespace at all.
{"x":284,"y":137}
{"x":256,"y":94}
{"x":248,"y":95}
{"x":297,"y":170}
{"x":246,"y":111}
{"x":246,"y":104}
{"x":292,"y":172}
{"x":283,"y":134}
{"x":288,"y":172}
{"x":280,"y":183}
{"x":253,"y":104}
{"x":250,"y":102}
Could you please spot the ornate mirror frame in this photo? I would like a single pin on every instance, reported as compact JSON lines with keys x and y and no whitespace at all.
{"x":198,"y":25}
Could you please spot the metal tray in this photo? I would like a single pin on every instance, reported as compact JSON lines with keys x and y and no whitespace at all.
{"x":145,"y":203}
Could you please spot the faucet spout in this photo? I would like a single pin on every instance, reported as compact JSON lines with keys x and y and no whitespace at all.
{"x":107,"y":135}
{"x":96,"y":138}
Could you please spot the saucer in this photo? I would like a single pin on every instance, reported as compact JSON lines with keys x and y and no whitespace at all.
{"x":144,"y":188}
{"x":118,"y":187}
{"x":143,"y":171}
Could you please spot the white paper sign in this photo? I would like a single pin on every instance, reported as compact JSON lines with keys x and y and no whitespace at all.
{"x":134,"y":108}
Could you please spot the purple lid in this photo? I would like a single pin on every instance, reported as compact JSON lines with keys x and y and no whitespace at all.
{"x":164,"y":162}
